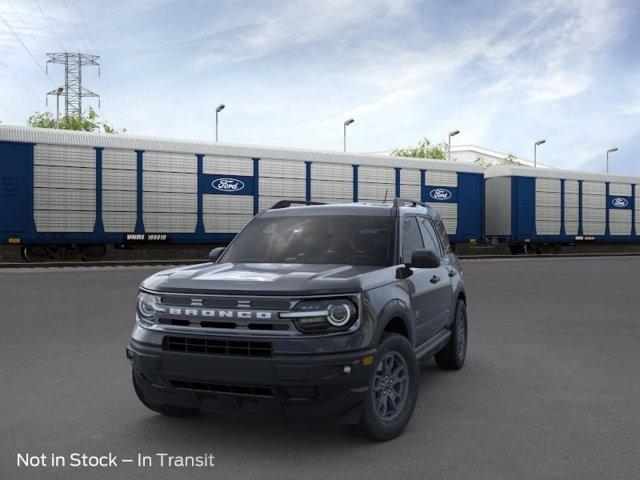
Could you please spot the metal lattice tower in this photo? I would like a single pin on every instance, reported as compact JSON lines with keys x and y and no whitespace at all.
{"x":73,"y":91}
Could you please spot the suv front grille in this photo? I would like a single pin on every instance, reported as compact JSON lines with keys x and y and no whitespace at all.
{"x":230,"y":313}
{"x":223,"y":388}
{"x":217,"y":347}
{"x":230,"y":325}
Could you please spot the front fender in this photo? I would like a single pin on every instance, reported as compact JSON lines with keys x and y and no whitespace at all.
{"x":386,"y":304}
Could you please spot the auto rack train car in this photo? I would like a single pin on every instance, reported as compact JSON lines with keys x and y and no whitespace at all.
{"x":545,"y":209}
{"x":78,"y":192}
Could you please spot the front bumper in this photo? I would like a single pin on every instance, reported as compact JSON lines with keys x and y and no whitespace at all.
{"x":309,"y":386}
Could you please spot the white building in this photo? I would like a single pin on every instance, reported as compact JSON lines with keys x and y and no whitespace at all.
{"x":469,"y":154}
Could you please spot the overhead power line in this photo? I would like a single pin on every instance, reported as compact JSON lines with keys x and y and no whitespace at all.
{"x":111,"y":98}
{"x":27,"y":49}
{"x":12,"y":113}
{"x":24,"y":24}
{"x":75,"y":26}
{"x":44,"y":15}
{"x":86,"y":25}
{"x":24,"y":84}
{"x":26,"y":27}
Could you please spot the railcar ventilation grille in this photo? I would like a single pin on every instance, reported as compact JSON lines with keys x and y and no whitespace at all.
{"x":223,"y":388}
{"x":217,"y":347}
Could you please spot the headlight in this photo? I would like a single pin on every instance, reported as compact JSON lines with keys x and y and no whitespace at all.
{"x":339,"y":314}
{"x":148,"y":306}
{"x":323,"y":316}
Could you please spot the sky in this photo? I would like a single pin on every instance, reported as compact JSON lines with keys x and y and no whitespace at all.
{"x":290,"y":72}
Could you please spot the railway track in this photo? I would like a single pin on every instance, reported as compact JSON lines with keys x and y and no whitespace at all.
{"x":104,"y":263}
{"x":178,"y":262}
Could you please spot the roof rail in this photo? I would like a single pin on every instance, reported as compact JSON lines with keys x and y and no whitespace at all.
{"x":288,"y":203}
{"x":404,"y":202}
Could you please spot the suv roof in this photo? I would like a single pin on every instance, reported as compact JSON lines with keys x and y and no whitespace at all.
{"x":287,"y":208}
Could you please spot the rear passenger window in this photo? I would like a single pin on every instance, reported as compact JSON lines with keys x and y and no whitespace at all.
{"x":430,"y":237}
{"x":411,"y":238}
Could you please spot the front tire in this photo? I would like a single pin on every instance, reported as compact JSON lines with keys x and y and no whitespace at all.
{"x":393,"y":390}
{"x":452,"y":356}
{"x":169,"y":410}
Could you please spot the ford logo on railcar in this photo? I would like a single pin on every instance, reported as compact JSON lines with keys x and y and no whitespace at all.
{"x":619,"y":202}
{"x":228,"y":184}
{"x":440,"y":194}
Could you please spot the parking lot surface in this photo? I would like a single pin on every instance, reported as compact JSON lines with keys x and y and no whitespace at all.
{"x":550,"y":388}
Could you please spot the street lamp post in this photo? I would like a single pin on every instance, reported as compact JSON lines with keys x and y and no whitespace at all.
{"x":451,"y":134}
{"x":535,"y":152}
{"x":218,"y":110}
{"x":59,"y":91}
{"x":344,"y":133}
{"x":611,"y":150}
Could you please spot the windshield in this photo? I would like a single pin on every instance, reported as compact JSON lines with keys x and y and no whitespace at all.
{"x":342,"y":239}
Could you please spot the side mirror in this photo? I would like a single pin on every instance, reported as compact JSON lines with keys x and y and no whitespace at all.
{"x":424,"y":259}
{"x":215,"y":254}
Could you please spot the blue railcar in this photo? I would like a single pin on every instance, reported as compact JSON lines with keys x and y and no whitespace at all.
{"x":548,"y":208}
{"x":81,"y":191}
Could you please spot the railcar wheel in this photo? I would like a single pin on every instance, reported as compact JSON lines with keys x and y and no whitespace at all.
{"x":36,"y":253}
{"x":93,"y":253}
{"x":547,"y":248}
{"x":516,"y":249}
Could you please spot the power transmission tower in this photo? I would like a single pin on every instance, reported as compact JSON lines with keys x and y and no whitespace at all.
{"x":73,"y":91}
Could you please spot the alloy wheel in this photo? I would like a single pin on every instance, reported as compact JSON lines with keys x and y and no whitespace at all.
{"x":390,"y":386}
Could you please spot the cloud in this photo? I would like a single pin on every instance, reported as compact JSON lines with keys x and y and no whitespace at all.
{"x":273,"y":27}
{"x":290,"y":72}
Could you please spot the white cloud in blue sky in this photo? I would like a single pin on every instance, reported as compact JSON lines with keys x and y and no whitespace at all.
{"x":504,"y":73}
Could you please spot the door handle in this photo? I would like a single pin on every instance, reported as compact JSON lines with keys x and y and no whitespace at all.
{"x":435,"y":279}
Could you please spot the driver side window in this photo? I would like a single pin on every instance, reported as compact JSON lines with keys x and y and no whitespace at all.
{"x":411,"y":238}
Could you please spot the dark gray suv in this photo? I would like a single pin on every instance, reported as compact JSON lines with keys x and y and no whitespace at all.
{"x":311,"y":311}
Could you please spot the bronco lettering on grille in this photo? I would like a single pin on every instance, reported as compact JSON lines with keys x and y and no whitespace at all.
{"x":216,"y":313}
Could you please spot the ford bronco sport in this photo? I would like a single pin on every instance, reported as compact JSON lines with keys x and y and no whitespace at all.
{"x":313,"y":311}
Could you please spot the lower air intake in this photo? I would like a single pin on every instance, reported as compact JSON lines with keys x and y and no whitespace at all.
{"x":208,"y":346}
{"x":223,"y":388}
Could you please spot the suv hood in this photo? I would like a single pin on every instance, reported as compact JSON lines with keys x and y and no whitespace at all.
{"x":270,"y":278}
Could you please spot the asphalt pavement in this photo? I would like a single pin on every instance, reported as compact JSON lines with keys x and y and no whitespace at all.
{"x":551,"y":387}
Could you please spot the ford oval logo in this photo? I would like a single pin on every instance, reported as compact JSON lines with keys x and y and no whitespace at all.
{"x":228,"y":184}
{"x":619,"y":202}
{"x":440,"y":194}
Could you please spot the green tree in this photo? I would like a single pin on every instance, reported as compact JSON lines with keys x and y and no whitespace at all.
{"x":484,"y":163}
{"x":86,"y":123}
{"x":510,"y":159}
{"x":424,"y":149}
